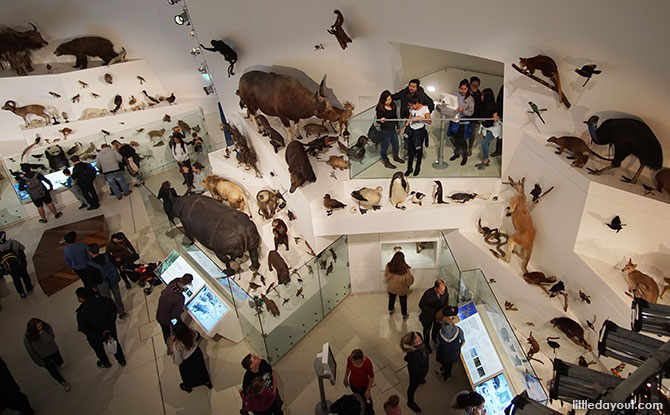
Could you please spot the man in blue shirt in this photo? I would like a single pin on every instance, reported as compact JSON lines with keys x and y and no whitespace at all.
{"x":76,"y":257}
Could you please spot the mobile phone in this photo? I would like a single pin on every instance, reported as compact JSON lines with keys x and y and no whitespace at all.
{"x":173,"y":321}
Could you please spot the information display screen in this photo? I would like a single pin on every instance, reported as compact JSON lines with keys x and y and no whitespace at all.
{"x":174,"y":266}
{"x":497,"y":394}
{"x":207,"y":308}
{"x":479,"y":355}
{"x":57,"y":179}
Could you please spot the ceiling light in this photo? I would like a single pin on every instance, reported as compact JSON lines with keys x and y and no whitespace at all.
{"x":209,"y":89}
{"x":523,"y":405}
{"x":650,"y":318}
{"x":182,"y":18}
{"x":574,"y":382}
{"x":625,"y":345}
{"x":195,"y":51}
{"x":431,"y":89}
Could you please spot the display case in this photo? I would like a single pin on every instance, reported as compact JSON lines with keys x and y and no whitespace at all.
{"x":174,"y":266}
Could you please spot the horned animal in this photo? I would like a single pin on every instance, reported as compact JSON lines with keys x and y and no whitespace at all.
{"x":641,"y":284}
{"x":336,"y":30}
{"x":282,"y":96}
{"x":523,"y":225}
{"x":23,"y":112}
{"x":15,"y":48}
{"x":156,"y":133}
{"x":87,"y":46}
{"x":340,"y":115}
{"x":628,"y":136}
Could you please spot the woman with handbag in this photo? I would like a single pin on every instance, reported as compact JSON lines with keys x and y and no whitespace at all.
{"x":188,"y":356}
{"x":123,"y":254}
{"x":417,"y":134}
{"x":40,"y":343}
{"x":386,"y":108}
{"x":398,"y":280}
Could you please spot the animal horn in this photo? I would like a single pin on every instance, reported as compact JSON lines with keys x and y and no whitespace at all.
{"x":34,"y":27}
{"x":322,"y":86}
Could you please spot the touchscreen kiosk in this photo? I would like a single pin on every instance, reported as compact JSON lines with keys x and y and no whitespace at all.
{"x":206,"y":308}
{"x":174,"y":266}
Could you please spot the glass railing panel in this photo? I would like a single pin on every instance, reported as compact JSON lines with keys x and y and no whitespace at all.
{"x":335,"y":281}
{"x":361,"y":159}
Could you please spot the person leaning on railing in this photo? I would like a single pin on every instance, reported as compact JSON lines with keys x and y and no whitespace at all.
{"x":386,"y":109}
{"x":462,"y":130}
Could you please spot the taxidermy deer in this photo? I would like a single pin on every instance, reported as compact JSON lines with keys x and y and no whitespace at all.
{"x":640,"y":284}
{"x":523,"y":225}
{"x":23,"y":112}
{"x":337,"y":31}
{"x":228,"y":53}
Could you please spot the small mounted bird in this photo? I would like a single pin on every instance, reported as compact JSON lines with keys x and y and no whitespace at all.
{"x":142,"y":81}
{"x":285,"y":301}
{"x":590,"y":324}
{"x":152,"y":99}
{"x":132,"y":100}
{"x":291,"y":215}
{"x":319,"y":47}
{"x":331,"y":204}
{"x":75,"y":98}
{"x":584,"y":297}
{"x":536,"y":192}
{"x":139,"y":130}
{"x":299,"y":293}
{"x":615,"y":224}
{"x":171,"y":99}
{"x":509,"y":306}
{"x":253,"y":286}
{"x":83,"y":84}
{"x":530,"y":323}
{"x":556,"y":289}
{"x":49,"y":67}
{"x":53,"y":94}
{"x":535,"y":110}
{"x":417,"y":197}
{"x":587,"y":71}
{"x":105,"y":132}
{"x":616,"y":371}
{"x":329,"y":269}
{"x":94,"y":95}
{"x":554,"y":345}
{"x":118,"y":100}
{"x":648,"y":190}
{"x":108,"y":78}
{"x":582,"y":362}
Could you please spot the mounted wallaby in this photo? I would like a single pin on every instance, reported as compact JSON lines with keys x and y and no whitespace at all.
{"x":523,"y":225}
{"x":640,"y":284}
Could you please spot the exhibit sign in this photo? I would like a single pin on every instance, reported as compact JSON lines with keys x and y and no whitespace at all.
{"x":466,"y":310}
{"x":479,"y":355}
{"x":174,"y":266}
{"x":207,"y":308}
{"x":497,"y":394}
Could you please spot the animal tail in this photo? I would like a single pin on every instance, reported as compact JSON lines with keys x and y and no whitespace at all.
{"x":537,"y":360}
{"x":599,"y":156}
{"x":558,"y":87}
{"x":553,"y":338}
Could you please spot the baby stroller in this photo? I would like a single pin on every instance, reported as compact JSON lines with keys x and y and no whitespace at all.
{"x":144,"y":275}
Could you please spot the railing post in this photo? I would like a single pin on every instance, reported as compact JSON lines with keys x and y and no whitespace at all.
{"x":440,"y":164}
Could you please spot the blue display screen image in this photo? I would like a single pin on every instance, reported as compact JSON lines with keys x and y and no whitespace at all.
{"x":207,"y":308}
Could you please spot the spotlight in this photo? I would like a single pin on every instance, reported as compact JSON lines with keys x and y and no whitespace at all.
{"x":182,"y":18}
{"x":651,"y":318}
{"x":209,"y":89}
{"x":173,"y":2}
{"x":431,"y":89}
{"x":195,"y":51}
{"x":574,"y":382}
{"x":625,"y":345}
{"x":523,"y":405}
{"x":202,"y":68}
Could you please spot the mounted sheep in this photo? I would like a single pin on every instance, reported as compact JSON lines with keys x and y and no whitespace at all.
{"x":23,"y":112}
{"x":282,"y":96}
{"x":15,"y":49}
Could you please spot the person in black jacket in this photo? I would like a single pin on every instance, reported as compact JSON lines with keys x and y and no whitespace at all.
{"x":167,"y":194}
{"x":10,"y":392}
{"x":96,"y":318}
{"x":417,"y":365}
{"x":412,"y":89}
{"x":130,"y":157}
{"x":433,"y":300}
{"x":476,"y":94}
{"x":84,"y":175}
{"x":386,"y":108}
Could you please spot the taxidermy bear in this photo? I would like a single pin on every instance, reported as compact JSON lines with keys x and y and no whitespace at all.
{"x":56,"y":157}
{"x":228,"y":53}
{"x":87,"y":46}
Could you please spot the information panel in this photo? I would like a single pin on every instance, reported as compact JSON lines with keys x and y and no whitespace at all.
{"x":479,"y":355}
{"x":497,"y":394}
{"x":207,"y":308}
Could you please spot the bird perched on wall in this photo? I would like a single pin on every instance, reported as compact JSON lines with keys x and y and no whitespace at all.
{"x":83,"y":84}
{"x":94,"y":95}
{"x":648,"y":190}
{"x":582,"y":362}
{"x":53,"y":94}
{"x":587,"y":71}
{"x":535,"y":110}
{"x":142,"y":81}
{"x":556,"y":289}
{"x":118,"y":100}
{"x":105,"y":132}
{"x":536,"y":192}
{"x":590,"y":324}
{"x":331,"y":204}
{"x":149,"y":97}
{"x":554,"y":345}
{"x":49,"y":67}
{"x":171,"y":99}
{"x":167,"y":118}
{"x":615,"y":224}
{"x":509,"y":306}
{"x":616,"y":371}
{"x":584,"y":297}
{"x":318,"y":47}
{"x":75,"y":98}
{"x":368,"y":198}
{"x":108,"y":78}
{"x":132,"y":100}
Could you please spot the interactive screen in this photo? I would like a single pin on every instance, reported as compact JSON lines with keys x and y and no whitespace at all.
{"x":56,"y":178}
{"x":213,"y":270}
{"x":207,"y":308}
{"x":174,"y":266}
{"x":479,"y":355}
{"x":497,"y":395}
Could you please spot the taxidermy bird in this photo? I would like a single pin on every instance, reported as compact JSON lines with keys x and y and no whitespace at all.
{"x":398,"y":190}
{"x":333,"y":254}
{"x":75,"y":98}
{"x":329,"y":269}
{"x":437,"y":193}
{"x":105,"y":132}
{"x":616,"y":371}
{"x":331,"y":204}
{"x":108,"y":78}
{"x":417,"y":197}
{"x":368,"y":198}
{"x":536,"y":192}
{"x":49,"y":67}
{"x":94,"y":95}
{"x":590,"y":324}
{"x":167,"y":118}
{"x":554,"y":345}
{"x":615,"y":224}
{"x":149,"y":97}
{"x":584,"y":297}
{"x":142,"y":81}
{"x":318,"y":47}
{"x":132,"y":100}
{"x":509,"y":306}
{"x":38,"y":138}
{"x":648,"y":190}
{"x":53,"y":94}
{"x":534,"y":109}
{"x":587,"y":71}
{"x":556,"y":289}
{"x":117,"y":102}
{"x":83,"y":84}
{"x":299,"y":293}
{"x":582,"y":362}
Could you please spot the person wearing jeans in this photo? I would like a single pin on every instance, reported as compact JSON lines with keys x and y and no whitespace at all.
{"x":101,"y":269}
{"x":40,"y":343}
{"x":490,"y":129}
{"x":109,"y":162}
{"x":417,"y":134}
{"x":461,"y":131}
{"x":386,"y":108}
{"x":417,"y":365}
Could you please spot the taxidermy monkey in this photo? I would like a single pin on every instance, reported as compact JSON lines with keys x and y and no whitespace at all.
{"x":228,"y":53}
{"x":640,"y":284}
{"x":437,"y":193}
{"x":548,"y":68}
{"x":337,"y":30}
{"x":398,"y":190}
{"x":280,"y":233}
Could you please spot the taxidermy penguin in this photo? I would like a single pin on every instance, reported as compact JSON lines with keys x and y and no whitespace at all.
{"x":437,"y":193}
{"x":398,"y":190}
{"x":417,"y":197}
{"x":228,"y":53}
{"x":368,"y":198}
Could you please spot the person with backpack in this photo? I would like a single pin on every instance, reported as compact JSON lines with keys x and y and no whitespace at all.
{"x":83,"y":175}
{"x":32,"y":183}
{"x":96,"y":318}
{"x":101,"y":269}
{"x":13,"y":261}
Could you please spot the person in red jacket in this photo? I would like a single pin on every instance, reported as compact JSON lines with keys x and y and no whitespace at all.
{"x":171,"y":305}
{"x":360,"y":376}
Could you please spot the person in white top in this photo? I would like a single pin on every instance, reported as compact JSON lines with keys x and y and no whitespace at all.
{"x":417,"y":135}
{"x":188,"y":356}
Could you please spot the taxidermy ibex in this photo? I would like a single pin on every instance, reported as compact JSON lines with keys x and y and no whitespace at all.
{"x":523,"y":225}
{"x":228,"y":53}
{"x":15,"y":49}
{"x":23,"y":112}
{"x":338,"y":32}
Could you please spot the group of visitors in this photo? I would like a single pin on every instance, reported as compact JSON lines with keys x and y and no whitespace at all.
{"x":192,"y":172}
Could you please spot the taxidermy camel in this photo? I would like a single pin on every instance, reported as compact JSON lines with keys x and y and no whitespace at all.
{"x":641,"y":284}
{"x":523,"y":225}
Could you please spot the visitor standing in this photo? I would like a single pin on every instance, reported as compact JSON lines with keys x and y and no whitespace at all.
{"x":74,"y":189}
{"x":110,"y":162}
{"x":256,"y":367}
{"x":398,"y":281}
{"x":413,"y":89}
{"x":258,"y":398}
{"x":101,"y":269}
{"x":359,"y":376}
{"x":14,"y":261}
{"x":171,"y":306}
{"x":84,"y":175}
{"x":187,"y":355}
{"x":198,"y":176}
{"x":131,"y":159}
{"x":33,"y":183}
{"x":433,"y":300}
{"x":386,"y":109}
{"x":490,"y":129}
{"x":450,"y":340}
{"x":11,"y":396}
{"x":467,"y":403}
{"x":476,"y":95}
{"x":417,"y":134}
{"x":40,"y":343}
{"x":416,"y":357}
{"x":96,"y":318}
{"x":76,"y":257}
{"x":462,"y":130}
{"x":167,"y":195}
{"x":392,"y":405}
{"x":123,"y":254}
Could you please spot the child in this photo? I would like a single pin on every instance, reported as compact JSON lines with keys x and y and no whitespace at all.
{"x":198,"y":175}
{"x":392,"y":405}
{"x":74,"y":188}
{"x":187,"y":172}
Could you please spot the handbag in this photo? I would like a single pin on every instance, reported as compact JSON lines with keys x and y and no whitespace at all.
{"x":374,"y":135}
{"x":110,"y":345}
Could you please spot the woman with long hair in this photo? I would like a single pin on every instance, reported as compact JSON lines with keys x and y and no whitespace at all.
{"x":416,"y":357}
{"x":398,"y":280}
{"x":467,"y":403}
{"x":386,"y":109}
{"x":40,"y":343}
{"x":167,"y":194}
{"x":179,"y":149}
{"x":188,"y":356}
{"x":462,"y":130}
{"x":490,"y":129}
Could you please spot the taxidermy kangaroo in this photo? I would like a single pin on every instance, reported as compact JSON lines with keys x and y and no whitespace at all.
{"x":523,"y":225}
{"x":228,"y":53}
{"x":548,"y":68}
{"x":337,"y":31}
{"x":640,"y":284}
{"x":534,"y":348}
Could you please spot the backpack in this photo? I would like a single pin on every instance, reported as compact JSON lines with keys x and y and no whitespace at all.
{"x":110,"y":275}
{"x":88,"y":173}
{"x":8,"y":260}
{"x":34,"y":187}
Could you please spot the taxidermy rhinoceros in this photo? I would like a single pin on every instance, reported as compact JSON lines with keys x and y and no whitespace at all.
{"x":224,"y":230}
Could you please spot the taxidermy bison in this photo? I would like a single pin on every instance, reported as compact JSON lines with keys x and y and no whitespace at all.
{"x":15,"y":49}
{"x":298,"y":165}
{"x":224,"y":230}
{"x":87,"y":46}
{"x":282,"y":96}
{"x":628,"y":136}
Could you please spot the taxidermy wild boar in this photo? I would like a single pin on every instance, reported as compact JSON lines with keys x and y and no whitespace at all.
{"x":282,"y":96}
{"x":15,"y":49}
{"x":224,"y":230}
{"x":87,"y":46}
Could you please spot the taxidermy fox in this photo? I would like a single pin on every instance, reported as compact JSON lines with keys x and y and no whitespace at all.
{"x":640,"y":284}
{"x":548,"y":68}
